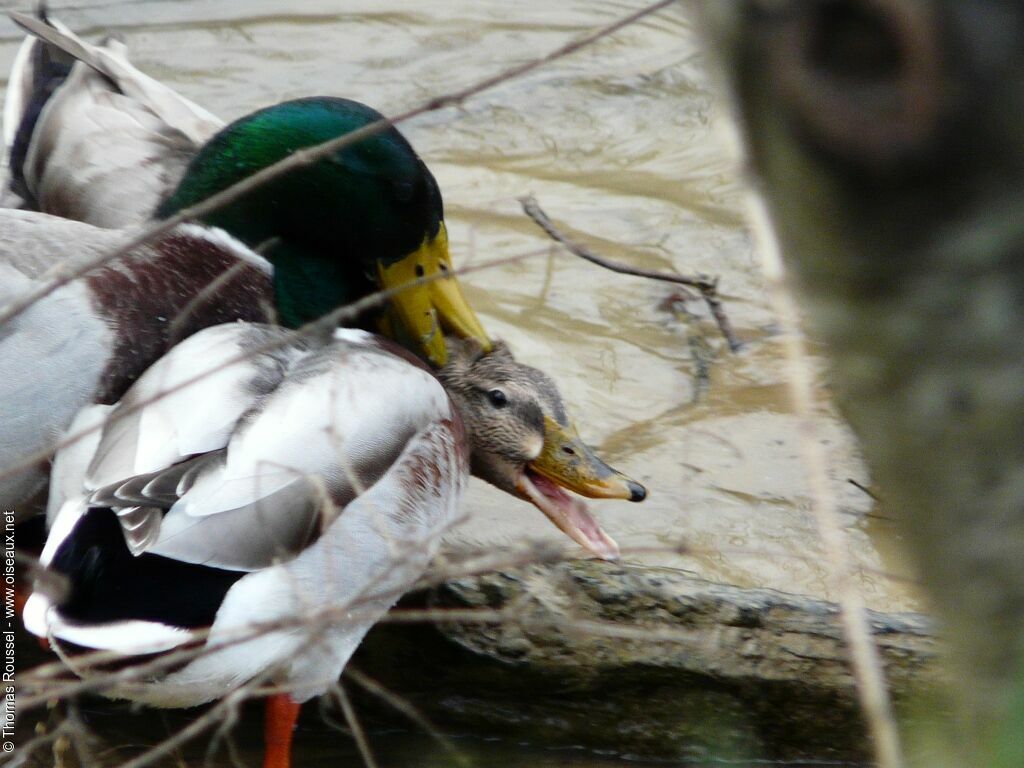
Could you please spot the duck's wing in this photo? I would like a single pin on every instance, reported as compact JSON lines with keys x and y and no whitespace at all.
{"x":340,"y":451}
{"x":110,"y":60}
{"x":188,"y":402}
{"x":96,"y":140}
{"x":35,"y":243}
{"x":72,"y":461}
{"x":260,"y":442}
{"x":31,"y":72}
{"x":176,"y":417}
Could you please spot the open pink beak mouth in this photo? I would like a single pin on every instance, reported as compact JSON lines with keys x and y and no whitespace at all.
{"x":568,"y":513}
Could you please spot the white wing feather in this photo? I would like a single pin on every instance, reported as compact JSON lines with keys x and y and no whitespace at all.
{"x":111,"y":61}
{"x":111,"y":142}
{"x":67,"y":478}
{"x":329,"y":432}
{"x":186,"y":403}
{"x":323,"y":425}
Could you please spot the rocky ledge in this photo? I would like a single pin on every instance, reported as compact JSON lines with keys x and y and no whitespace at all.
{"x":645,"y":661}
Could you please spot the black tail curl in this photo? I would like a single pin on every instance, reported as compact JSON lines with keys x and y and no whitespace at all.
{"x":108,"y":583}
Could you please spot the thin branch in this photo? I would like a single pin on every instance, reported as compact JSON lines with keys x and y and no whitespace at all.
{"x":701,"y":352}
{"x":207,"y":721}
{"x":535,"y":553}
{"x":868,"y":672}
{"x":866,"y":491}
{"x":208,"y":293}
{"x":54,"y":585}
{"x":400,"y":704}
{"x":62,"y":274}
{"x":532,"y":209}
{"x":538,"y":553}
{"x":64,"y":730}
{"x":223,"y":736}
{"x":314,"y":621}
{"x":362,"y":742}
{"x":708,"y":286}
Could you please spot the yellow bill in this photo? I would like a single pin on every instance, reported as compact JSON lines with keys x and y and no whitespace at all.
{"x":568,"y":461}
{"x":428,"y":311}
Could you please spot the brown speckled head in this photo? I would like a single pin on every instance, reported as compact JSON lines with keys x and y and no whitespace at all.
{"x":513,"y":413}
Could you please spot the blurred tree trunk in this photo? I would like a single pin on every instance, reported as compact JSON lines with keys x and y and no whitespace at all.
{"x":887,"y":137}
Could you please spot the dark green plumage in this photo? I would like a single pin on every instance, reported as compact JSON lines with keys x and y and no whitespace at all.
{"x":324,"y":226}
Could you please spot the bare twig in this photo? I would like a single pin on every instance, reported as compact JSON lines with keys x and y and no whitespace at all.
{"x":64,"y":273}
{"x":532,"y":209}
{"x":398,"y":703}
{"x":539,"y":553}
{"x":865,"y":490}
{"x":864,"y":656}
{"x":209,"y":292}
{"x":54,"y":585}
{"x":69,"y":728}
{"x":708,"y":286}
{"x":701,"y":352}
{"x":197,"y":727}
{"x":362,"y":743}
{"x":224,"y":735}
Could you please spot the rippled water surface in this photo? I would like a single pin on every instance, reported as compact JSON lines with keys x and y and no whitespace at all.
{"x":619,"y":143}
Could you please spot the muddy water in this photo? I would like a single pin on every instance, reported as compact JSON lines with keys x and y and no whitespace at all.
{"x":619,"y":144}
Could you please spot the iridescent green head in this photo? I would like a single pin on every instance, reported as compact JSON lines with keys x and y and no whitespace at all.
{"x":368,"y":216}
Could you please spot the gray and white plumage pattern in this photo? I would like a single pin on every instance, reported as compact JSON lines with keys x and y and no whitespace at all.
{"x":61,"y":336}
{"x":87,"y":340}
{"x":325,"y":470}
{"x":111,"y":142}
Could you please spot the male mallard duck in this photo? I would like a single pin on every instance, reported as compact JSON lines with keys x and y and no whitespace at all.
{"x":370,"y":216}
{"x":301,"y":490}
{"x":99,"y":141}
{"x":337,"y":230}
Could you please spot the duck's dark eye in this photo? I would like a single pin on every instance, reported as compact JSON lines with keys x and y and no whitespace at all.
{"x":498,"y":398}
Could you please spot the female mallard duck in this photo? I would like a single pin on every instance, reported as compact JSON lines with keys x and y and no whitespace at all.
{"x":369,"y":216}
{"x":285,"y":502}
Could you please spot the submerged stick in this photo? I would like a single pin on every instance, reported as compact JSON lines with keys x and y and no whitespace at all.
{"x":701,"y":352}
{"x":708,"y":286}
